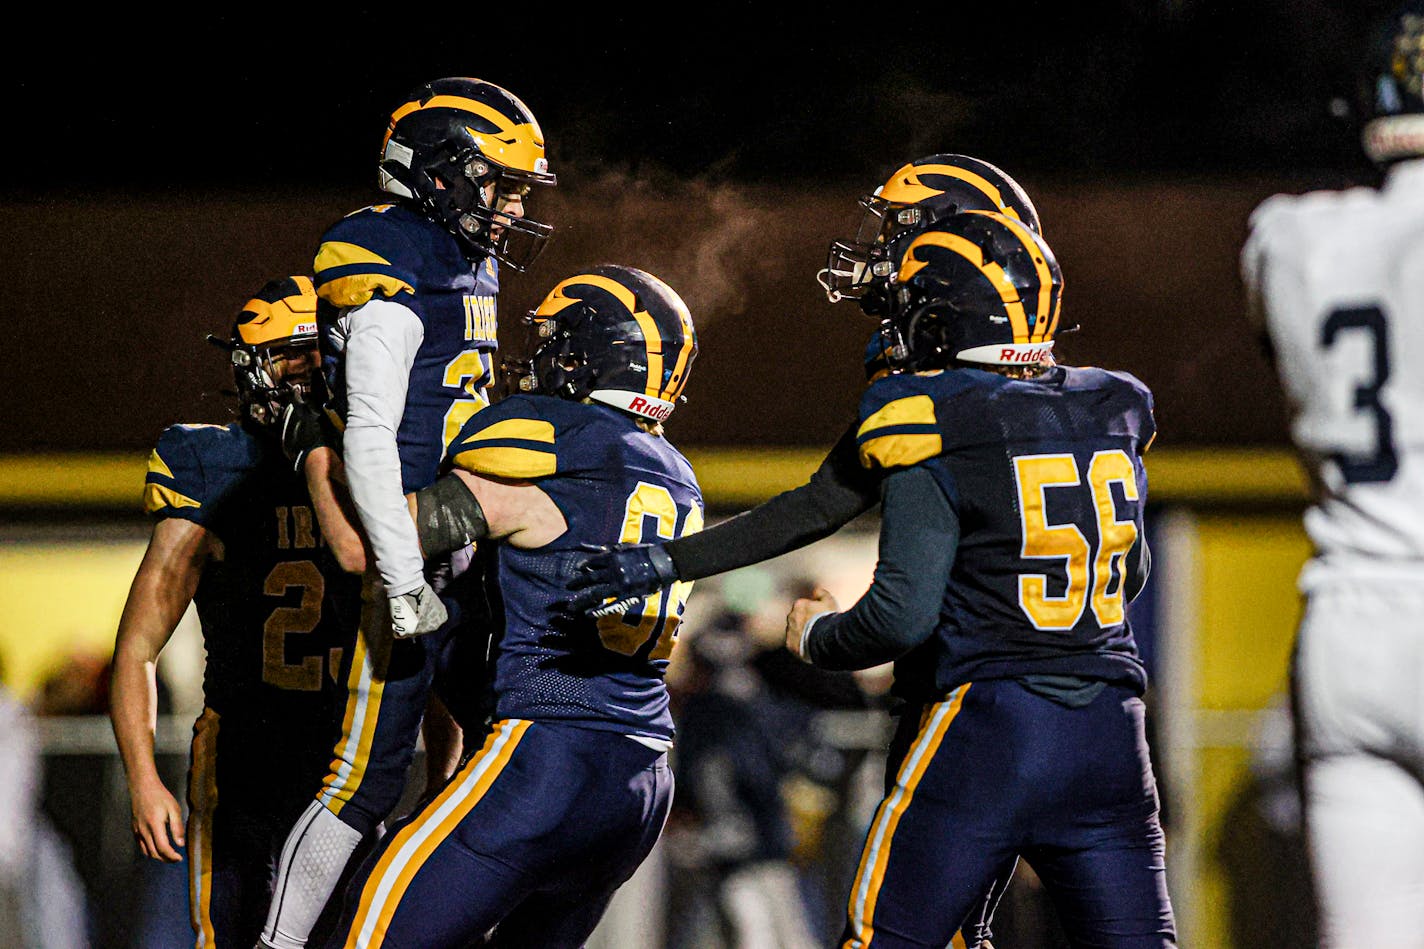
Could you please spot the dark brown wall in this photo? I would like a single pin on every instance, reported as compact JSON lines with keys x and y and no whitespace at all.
{"x":106,"y":301}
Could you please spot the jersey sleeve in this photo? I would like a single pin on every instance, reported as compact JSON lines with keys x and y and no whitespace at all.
{"x":362,"y":257}
{"x":1141,"y":415}
{"x":188,"y":474}
{"x":898,"y":424}
{"x":512,"y":439}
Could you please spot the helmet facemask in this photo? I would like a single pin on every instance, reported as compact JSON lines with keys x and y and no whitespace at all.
{"x":465,"y":191}
{"x":266,"y":385}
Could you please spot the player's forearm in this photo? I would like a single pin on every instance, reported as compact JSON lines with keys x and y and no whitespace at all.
{"x":839,"y":491}
{"x":919,"y":535}
{"x":162,"y":588}
{"x":133,"y":712}
{"x":334,"y":513}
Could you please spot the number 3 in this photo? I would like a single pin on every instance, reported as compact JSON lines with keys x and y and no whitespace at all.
{"x":1382,"y":465}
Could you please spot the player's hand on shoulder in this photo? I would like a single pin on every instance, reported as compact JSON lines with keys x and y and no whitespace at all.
{"x":417,"y":612}
{"x":157,"y":822}
{"x":606,"y":581}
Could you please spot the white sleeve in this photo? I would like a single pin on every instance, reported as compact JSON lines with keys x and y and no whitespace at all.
{"x":380,"y":350}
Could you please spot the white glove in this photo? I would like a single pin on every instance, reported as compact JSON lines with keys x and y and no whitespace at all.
{"x":417,"y":613}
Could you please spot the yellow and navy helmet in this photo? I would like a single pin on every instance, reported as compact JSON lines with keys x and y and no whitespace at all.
{"x":449,"y":139}
{"x":1393,"y":88}
{"x":281,"y":318}
{"x":616,"y":335}
{"x":977,"y":287}
{"x":916,"y":196}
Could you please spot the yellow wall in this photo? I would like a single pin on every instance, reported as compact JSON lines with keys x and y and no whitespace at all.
{"x":57,"y":599}
{"x":1246,"y":608}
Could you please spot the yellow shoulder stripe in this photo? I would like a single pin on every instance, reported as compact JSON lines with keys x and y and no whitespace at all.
{"x":507,"y":462}
{"x":911,"y":410}
{"x":901,"y":432}
{"x":344,"y":254}
{"x":524,"y":429}
{"x":898,"y":451}
{"x":156,"y":497}
{"x":360,"y":288}
{"x":156,"y":465}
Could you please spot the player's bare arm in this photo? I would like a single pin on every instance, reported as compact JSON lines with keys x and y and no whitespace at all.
{"x":162,"y":588}
{"x":336,"y":516}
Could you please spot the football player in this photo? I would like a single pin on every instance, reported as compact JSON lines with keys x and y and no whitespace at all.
{"x":1011,"y":543}
{"x":1336,"y":286}
{"x":235,"y":535}
{"x":913,"y":197}
{"x":568,"y":794}
{"x":408,"y":292}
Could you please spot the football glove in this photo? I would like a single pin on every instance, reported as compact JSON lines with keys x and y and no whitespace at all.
{"x":305,"y":428}
{"x":622,"y":574}
{"x":417,"y":612}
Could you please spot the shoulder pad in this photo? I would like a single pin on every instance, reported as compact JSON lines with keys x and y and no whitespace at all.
{"x":513,"y":438}
{"x":367,"y":253}
{"x":189,"y":468}
{"x":898,"y":426}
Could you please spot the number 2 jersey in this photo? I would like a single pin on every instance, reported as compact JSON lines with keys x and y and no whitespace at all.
{"x":388,"y":251}
{"x":275,"y":608}
{"x":1046,"y":479}
{"x":613,"y":482}
{"x":1336,"y":280}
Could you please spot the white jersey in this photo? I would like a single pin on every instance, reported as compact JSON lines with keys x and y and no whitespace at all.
{"x":1337,"y":281}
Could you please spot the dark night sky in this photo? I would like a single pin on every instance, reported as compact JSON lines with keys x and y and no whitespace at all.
{"x":119,"y":101}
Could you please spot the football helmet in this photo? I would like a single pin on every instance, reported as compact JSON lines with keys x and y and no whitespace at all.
{"x":280,"y":321}
{"x":977,"y":287}
{"x":450,"y":141}
{"x":1393,"y":93}
{"x":914,"y":197}
{"x":615,"y":335}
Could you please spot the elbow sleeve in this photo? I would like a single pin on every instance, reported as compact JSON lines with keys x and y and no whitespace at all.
{"x":448,"y":517}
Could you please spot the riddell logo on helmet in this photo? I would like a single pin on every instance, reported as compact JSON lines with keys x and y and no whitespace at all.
{"x":654,"y":411}
{"x":1021,"y":355}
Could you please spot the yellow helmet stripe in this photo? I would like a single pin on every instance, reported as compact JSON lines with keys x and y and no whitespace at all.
{"x":1008,"y":293}
{"x":517,"y":144}
{"x":1046,"y":311}
{"x":652,"y":338}
{"x":556,"y":302}
{"x":674,"y":385}
{"x":905,"y":186}
{"x":654,"y":342}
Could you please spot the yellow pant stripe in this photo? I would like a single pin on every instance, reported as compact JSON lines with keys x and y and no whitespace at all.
{"x":415,"y":842}
{"x":876,"y":856}
{"x":202,"y":802}
{"x":365,"y":687}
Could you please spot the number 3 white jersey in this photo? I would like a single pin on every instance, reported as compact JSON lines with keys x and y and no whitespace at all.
{"x":1337,"y":281}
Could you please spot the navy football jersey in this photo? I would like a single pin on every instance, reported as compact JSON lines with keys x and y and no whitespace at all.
{"x":1047,"y":480}
{"x":393,"y":252}
{"x":614,"y":483}
{"x":275,"y":607}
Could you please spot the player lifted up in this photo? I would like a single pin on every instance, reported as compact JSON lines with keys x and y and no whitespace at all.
{"x":409,"y":331}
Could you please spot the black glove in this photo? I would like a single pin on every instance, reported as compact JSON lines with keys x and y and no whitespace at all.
{"x":623,"y":574}
{"x":305,"y":428}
